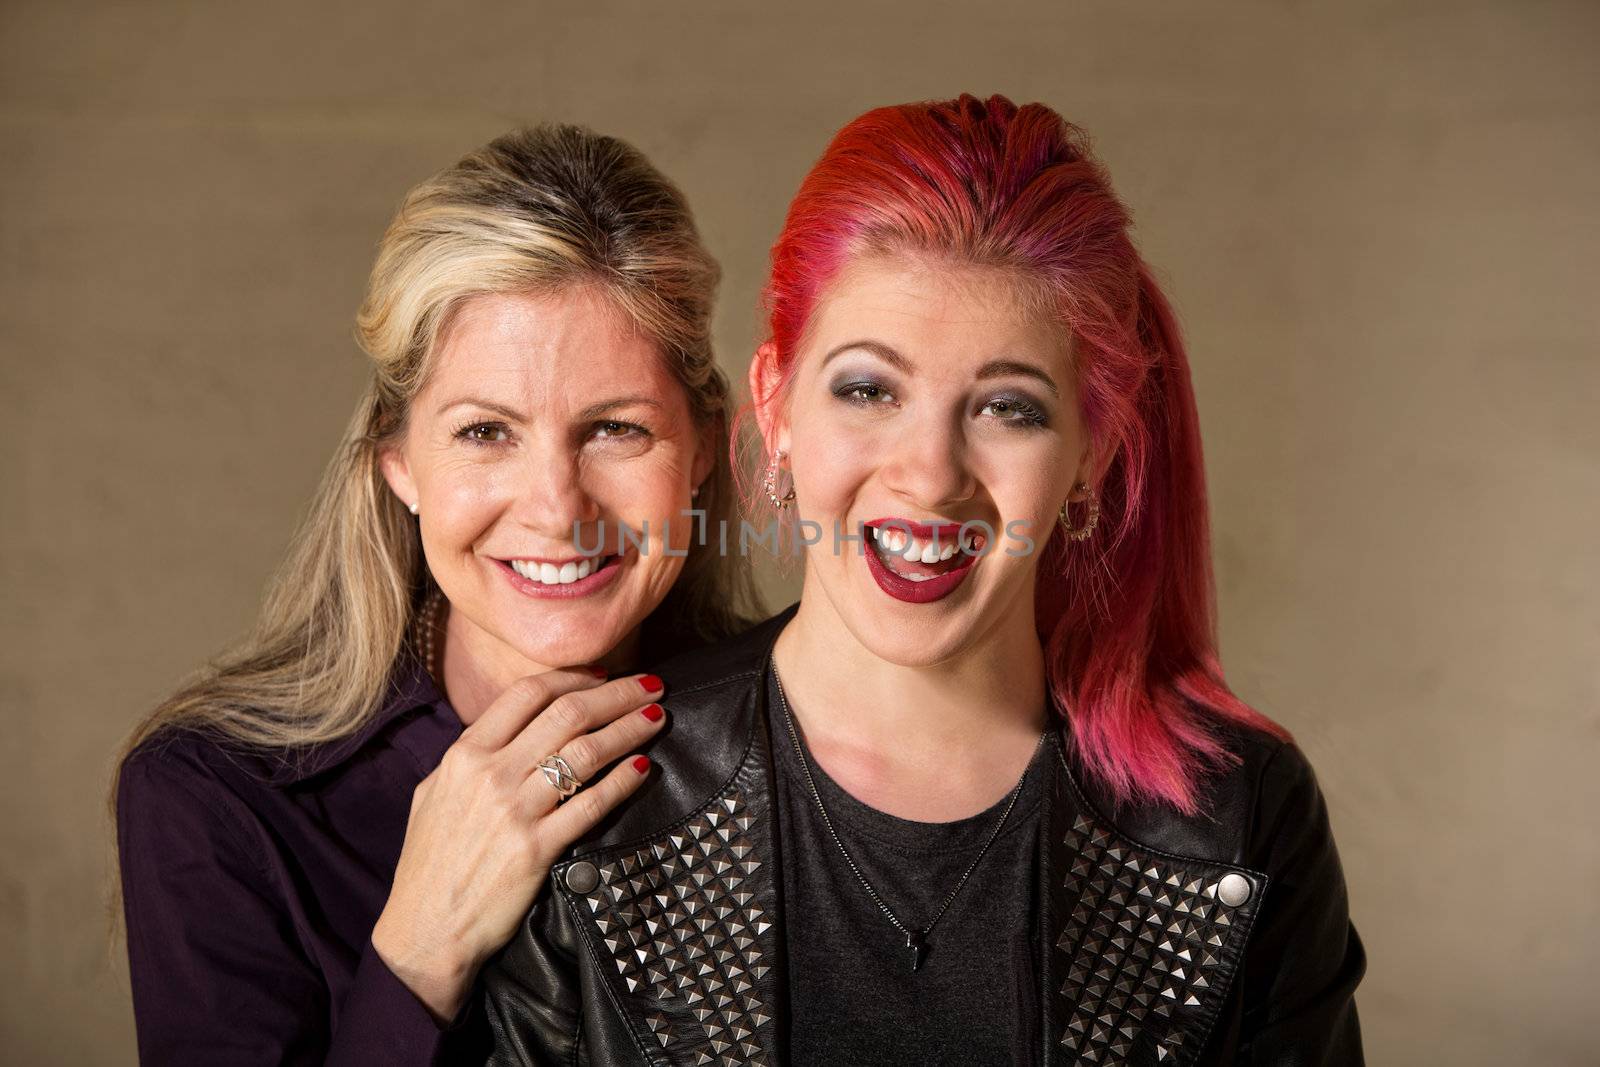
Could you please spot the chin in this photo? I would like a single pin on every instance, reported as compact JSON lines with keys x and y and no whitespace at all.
{"x":568,"y":645}
{"x":925,"y":643}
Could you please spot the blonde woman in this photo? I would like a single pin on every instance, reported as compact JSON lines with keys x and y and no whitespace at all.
{"x":325,"y":834}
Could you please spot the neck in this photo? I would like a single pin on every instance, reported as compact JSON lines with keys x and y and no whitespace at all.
{"x":933,"y":743}
{"x":476,"y":667}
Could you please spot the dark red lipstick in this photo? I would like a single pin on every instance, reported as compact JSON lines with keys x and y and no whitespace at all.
{"x":927,"y":590}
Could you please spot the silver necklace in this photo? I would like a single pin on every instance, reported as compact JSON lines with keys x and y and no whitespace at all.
{"x":916,"y":940}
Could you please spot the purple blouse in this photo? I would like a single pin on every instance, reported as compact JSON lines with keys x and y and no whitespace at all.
{"x":251,"y":886}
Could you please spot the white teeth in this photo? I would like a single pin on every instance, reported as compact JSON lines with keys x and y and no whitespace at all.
{"x":916,"y":549}
{"x":553,"y":574}
{"x":920,"y":551}
{"x":895,"y":543}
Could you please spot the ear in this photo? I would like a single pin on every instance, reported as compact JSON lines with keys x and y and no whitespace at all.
{"x":707,"y":440}
{"x":397,"y":472}
{"x":765,"y":378}
{"x":1088,"y":473}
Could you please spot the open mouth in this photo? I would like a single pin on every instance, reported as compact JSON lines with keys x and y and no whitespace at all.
{"x":918,"y":563}
{"x":921,"y":559}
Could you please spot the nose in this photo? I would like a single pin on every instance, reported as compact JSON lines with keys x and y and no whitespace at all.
{"x":928,"y":467}
{"x":552,"y":499}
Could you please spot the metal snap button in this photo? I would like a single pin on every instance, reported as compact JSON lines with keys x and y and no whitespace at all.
{"x":1233,"y":890}
{"x":582,"y":877}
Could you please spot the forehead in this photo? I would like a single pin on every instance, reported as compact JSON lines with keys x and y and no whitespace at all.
{"x":935,"y":309}
{"x":544,"y":342}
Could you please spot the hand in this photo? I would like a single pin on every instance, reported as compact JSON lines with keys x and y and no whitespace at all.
{"x":485,"y":827}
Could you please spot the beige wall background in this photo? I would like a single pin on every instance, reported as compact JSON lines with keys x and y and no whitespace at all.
{"x":1378,"y":221}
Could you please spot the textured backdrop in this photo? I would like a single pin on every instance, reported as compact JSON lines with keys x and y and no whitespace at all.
{"x":1377,"y":221}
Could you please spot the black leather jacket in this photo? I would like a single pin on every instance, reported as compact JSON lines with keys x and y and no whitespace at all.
{"x":1164,"y":940}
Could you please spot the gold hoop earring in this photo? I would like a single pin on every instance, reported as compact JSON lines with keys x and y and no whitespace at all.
{"x":1093,"y":503}
{"x":770,"y":483}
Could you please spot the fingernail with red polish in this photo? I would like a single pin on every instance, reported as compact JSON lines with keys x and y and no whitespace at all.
{"x":653,"y":712}
{"x":598,"y":672}
{"x":651,"y":683}
{"x":641,"y":763}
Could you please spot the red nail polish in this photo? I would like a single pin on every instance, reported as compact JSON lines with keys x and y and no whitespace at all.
{"x":641,"y":763}
{"x":653,"y":712}
{"x":598,"y":672}
{"x":651,"y":683}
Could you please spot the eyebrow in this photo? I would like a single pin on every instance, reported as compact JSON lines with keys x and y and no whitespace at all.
{"x":593,"y":411}
{"x":995,"y":368}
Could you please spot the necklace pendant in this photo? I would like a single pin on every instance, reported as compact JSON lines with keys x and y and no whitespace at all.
{"x":914,"y":946}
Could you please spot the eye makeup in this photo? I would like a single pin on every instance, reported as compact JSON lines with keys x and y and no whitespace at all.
{"x":1019,"y":410}
{"x":860,"y":387}
{"x":862,"y":393}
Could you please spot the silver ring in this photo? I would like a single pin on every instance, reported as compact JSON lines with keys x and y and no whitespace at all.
{"x":558,"y":772}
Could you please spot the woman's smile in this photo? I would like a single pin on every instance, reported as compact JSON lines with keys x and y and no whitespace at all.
{"x":936,"y":402}
{"x":577,"y":576}
{"x":918,"y":562}
{"x":528,"y":489}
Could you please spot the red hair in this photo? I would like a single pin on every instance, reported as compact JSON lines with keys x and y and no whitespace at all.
{"x":1127,"y":618}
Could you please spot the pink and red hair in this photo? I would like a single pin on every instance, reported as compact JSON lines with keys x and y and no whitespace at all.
{"x":1127,"y":618}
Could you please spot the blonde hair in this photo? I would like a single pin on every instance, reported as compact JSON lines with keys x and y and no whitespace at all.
{"x":536,"y":209}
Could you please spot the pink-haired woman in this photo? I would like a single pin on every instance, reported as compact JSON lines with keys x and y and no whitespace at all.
{"x":983,"y":795}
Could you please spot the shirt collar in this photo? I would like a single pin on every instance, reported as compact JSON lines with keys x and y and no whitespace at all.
{"x":409,"y":688}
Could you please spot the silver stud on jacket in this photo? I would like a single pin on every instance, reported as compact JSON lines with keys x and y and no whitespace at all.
{"x":1149,"y":948}
{"x":682,"y":927}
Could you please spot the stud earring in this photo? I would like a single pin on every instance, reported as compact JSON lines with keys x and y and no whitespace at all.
{"x":770,"y":483}
{"x":411,"y":508}
{"x":1093,"y":503}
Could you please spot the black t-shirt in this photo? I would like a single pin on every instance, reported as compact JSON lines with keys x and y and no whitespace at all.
{"x":853,"y":997}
